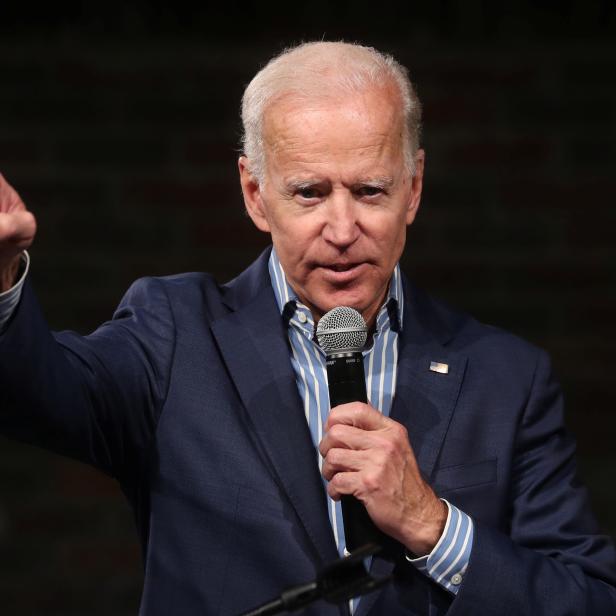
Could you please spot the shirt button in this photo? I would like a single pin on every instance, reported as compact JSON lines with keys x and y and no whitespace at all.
{"x":301,"y":317}
{"x":456,"y":579}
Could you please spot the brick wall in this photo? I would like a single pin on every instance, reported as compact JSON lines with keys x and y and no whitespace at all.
{"x":120,"y":130}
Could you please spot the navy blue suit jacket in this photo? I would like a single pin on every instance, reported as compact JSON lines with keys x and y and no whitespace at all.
{"x":189,"y":399}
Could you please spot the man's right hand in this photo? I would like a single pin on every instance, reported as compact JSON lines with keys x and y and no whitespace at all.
{"x":17,"y":230}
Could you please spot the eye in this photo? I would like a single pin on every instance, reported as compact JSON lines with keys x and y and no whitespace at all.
{"x":369,"y":191}
{"x":310,"y":192}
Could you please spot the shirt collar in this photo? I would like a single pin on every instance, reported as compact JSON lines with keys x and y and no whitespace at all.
{"x":390,"y":314}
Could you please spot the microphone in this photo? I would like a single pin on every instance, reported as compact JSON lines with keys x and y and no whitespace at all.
{"x":342,"y":334}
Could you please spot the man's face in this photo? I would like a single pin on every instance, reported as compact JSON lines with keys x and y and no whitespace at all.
{"x":336,"y":198}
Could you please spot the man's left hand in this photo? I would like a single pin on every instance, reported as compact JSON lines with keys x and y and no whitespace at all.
{"x":369,"y":456}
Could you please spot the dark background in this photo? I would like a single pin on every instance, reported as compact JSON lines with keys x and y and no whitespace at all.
{"x":119,"y":126}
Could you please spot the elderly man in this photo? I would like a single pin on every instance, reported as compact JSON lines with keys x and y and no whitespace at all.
{"x":209,"y":403}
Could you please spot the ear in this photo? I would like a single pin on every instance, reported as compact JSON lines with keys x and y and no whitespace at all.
{"x":416,"y":187}
{"x":252,"y":195}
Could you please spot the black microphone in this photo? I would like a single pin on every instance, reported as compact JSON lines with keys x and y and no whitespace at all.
{"x":342,"y":334}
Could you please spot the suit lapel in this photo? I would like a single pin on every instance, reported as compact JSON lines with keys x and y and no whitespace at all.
{"x":254,"y":345}
{"x":425,"y":400}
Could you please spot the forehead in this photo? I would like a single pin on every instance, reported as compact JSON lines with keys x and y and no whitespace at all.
{"x":352,"y":130}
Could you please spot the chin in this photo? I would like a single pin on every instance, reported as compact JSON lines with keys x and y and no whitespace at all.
{"x":345,"y":298}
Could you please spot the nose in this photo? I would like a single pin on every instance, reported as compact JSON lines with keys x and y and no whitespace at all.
{"x":341,"y":226}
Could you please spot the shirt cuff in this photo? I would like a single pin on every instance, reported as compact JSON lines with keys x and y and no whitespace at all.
{"x":9,"y":299}
{"x":448,"y":561}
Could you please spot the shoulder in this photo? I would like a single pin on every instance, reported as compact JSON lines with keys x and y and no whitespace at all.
{"x":200,"y":292}
{"x":194,"y":293}
{"x":195,"y":298}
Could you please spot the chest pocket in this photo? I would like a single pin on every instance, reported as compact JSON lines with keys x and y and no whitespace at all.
{"x":451,"y":478}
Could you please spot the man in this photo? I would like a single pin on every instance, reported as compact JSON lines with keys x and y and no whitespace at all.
{"x":209,"y":403}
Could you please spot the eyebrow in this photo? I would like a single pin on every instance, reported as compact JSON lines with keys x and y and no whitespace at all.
{"x":378,"y":182}
{"x":296,"y":184}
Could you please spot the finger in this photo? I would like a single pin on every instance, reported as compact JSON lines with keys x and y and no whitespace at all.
{"x":9,"y":198}
{"x":343,"y":483}
{"x":18,"y":228}
{"x":363,"y":484}
{"x":356,"y":414}
{"x":346,"y":437}
{"x":342,"y":460}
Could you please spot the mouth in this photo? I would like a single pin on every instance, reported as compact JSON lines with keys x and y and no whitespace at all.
{"x":341,"y":267}
{"x":342,"y":273}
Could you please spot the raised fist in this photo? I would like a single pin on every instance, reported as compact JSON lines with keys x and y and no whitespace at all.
{"x":17,"y":230}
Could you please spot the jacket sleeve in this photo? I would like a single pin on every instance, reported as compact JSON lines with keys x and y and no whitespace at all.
{"x":95,"y":398}
{"x":553,"y":560}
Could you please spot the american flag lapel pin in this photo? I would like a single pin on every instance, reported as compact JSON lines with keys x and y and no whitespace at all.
{"x":436,"y":366}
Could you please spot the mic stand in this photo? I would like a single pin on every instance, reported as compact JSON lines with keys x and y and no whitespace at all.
{"x":339,"y":581}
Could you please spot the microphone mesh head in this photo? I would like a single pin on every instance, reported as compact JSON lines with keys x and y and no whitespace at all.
{"x":341,"y":330}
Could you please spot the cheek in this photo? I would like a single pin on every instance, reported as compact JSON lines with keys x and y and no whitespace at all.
{"x":295,"y":239}
{"x":298,"y":230}
{"x":290,"y":236}
{"x":390,"y":236}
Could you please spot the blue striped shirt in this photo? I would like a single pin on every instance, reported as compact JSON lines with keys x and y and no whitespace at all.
{"x":448,"y":561}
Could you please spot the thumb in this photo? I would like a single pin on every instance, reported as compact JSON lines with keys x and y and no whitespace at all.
{"x":10,"y":200}
{"x":17,"y":229}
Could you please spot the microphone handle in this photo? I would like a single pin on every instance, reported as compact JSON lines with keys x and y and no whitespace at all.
{"x":347,"y":383}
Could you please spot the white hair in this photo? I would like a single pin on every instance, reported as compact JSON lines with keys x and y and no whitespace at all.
{"x":320,"y":70}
